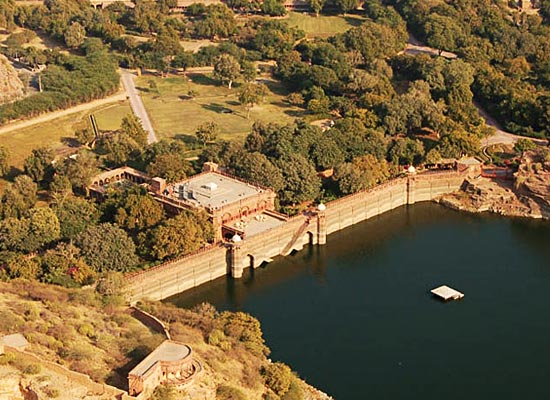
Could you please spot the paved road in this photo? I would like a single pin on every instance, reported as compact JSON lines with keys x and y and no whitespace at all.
{"x":61,"y":113}
{"x":414,"y":46}
{"x":137,"y":105}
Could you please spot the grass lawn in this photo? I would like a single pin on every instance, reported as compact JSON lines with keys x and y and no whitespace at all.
{"x":323,"y":25}
{"x":173,"y":114}
{"x":58,"y":134}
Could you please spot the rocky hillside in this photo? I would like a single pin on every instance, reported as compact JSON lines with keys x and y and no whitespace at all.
{"x":11,"y":87}
{"x":527,"y":196}
{"x":98,"y":336}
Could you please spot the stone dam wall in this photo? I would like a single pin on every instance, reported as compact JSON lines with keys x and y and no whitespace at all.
{"x":312,"y":227}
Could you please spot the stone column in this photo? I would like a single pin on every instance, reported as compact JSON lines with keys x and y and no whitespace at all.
{"x":411,"y":190}
{"x":235,"y":259}
{"x":321,"y":224}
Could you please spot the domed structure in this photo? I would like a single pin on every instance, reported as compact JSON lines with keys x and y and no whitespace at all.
{"x":411,"y":170}
{"x":321,"y":207}
{"x":236,"y":238}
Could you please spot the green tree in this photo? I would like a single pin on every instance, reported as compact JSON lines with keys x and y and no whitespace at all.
{"x":19,"y":197}
{"x":131,"y":126}
{"x":274,"y":8}
{"x":443,"y":33}
{"x":164,"y":392}
{"x":171,"y":166}
{"x":7,"y":14}
{"x":406,"y":151}
{"x":106,"y":247}
{"x":85,"y":136}
{"x":4,"y":161}
{"x":75,"y":215}
{"x":20,"y":266}
{"x":256,"y":167}
{"x":39,"y":164}
{"x":347,"y":5}
{"x":316,"y":6}
{"x":251,"y":94}
{"x":226,"y":69}
{"x":301,"y":182}
{"x":80,"y":170}
{"x":207,"y":132}
{"x":136,"y":210}
{"x":74,"y":35}
{"x":183,"y":234}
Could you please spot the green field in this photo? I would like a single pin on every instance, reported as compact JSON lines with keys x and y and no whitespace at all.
{"x":174,"y":114}
{"x":323,"y":26}
{"x":58,"y":134}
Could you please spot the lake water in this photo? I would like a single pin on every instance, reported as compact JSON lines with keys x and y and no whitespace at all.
{"x":355,"y":317}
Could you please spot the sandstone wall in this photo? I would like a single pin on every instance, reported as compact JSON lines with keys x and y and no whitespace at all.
{"x":311,"y":228}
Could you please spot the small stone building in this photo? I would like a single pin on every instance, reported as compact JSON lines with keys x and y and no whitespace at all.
{"x":171,"y":362}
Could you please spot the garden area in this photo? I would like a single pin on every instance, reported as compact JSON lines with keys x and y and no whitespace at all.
{"x":178,"y":105}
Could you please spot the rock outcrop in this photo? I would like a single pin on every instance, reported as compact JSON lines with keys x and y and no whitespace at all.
{"x":527,"y":196}
{"x":11,"y":87}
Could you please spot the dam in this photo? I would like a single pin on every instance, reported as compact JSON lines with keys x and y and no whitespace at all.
{"x":232,"y":257}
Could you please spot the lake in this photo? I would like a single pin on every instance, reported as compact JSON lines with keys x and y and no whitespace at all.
{"x":355,"y":317}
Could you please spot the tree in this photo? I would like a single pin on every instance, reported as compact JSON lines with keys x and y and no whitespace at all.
{"x":183,"y":234}
{"x":277,"y":377}
{"x":251,"y":94}
{"x":136,"y":210}
{"x":274,"y":8}
{"x":256,"y":167}
{"x":171,"y":166}
{"x":80,"y":170}
{"x":316,"y":6}
{"x":20,"y":266}
{"x":4,"y":161}
{"x":347,"y":5}
{"x":29,"y":234}
{"x":19,"y":197}
{"x":39,"y":164}
{"x":443,"y":33}
{"x":74,"y":35}
{"x":75,"y":215}
{"x":132,"y":127}
{"x":226,"y":69}
{"x":7,"y":14}
{"x":207,"y":132}
{"x":85,"y":136}
{"x":406,"y":151}
{"x":106,"y":247}
{"x":301,"y":182}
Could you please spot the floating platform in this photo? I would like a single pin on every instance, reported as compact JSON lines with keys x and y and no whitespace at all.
{"x":447,"y":293}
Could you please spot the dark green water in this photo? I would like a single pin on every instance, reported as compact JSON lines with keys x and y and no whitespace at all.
{"x":355,"y":317}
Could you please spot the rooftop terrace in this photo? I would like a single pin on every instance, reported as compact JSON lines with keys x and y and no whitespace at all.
{"x":167,"y":351}
{"x":213,"y":190}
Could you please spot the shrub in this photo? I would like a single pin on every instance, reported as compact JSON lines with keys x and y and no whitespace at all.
{"x":224,"y":392}
{"x":277,"y":377}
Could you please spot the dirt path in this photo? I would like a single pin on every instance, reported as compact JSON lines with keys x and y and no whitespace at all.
{"x":61,"y":113}
{"x":414,"y":46}
{"x":137,"y":105}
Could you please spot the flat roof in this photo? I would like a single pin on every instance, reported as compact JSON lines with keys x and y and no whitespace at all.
{"x":257,"y":224}
{"x":213,"y":190}
{"x":167,"y":351}
{"x":15,"y":340}
{"x":446,"y":293}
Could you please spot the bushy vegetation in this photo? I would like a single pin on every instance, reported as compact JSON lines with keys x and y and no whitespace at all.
{"x":507,"y":49}
{"x":69,"y":81}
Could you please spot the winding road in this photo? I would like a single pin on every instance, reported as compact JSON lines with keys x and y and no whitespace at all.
{"x":137,"y":105}
{"x":414,"y":46}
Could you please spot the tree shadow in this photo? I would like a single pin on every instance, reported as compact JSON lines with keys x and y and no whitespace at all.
{"x":13,"y":173}
{"x":143,"y":89}
{"x":217,"y":108}
{"x":201,"y":79}
{"x":354,"y":21}
{"x":70,"y":141}
{"x":189,"y":140}
{"x":275,"y":87}
{"x":233,"y":103}
{"x":294,"y":113}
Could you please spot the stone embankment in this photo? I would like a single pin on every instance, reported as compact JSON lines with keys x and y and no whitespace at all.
{"x":527,"y":195}
{"x":11,"y":87}
{"x":311,"y":228}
